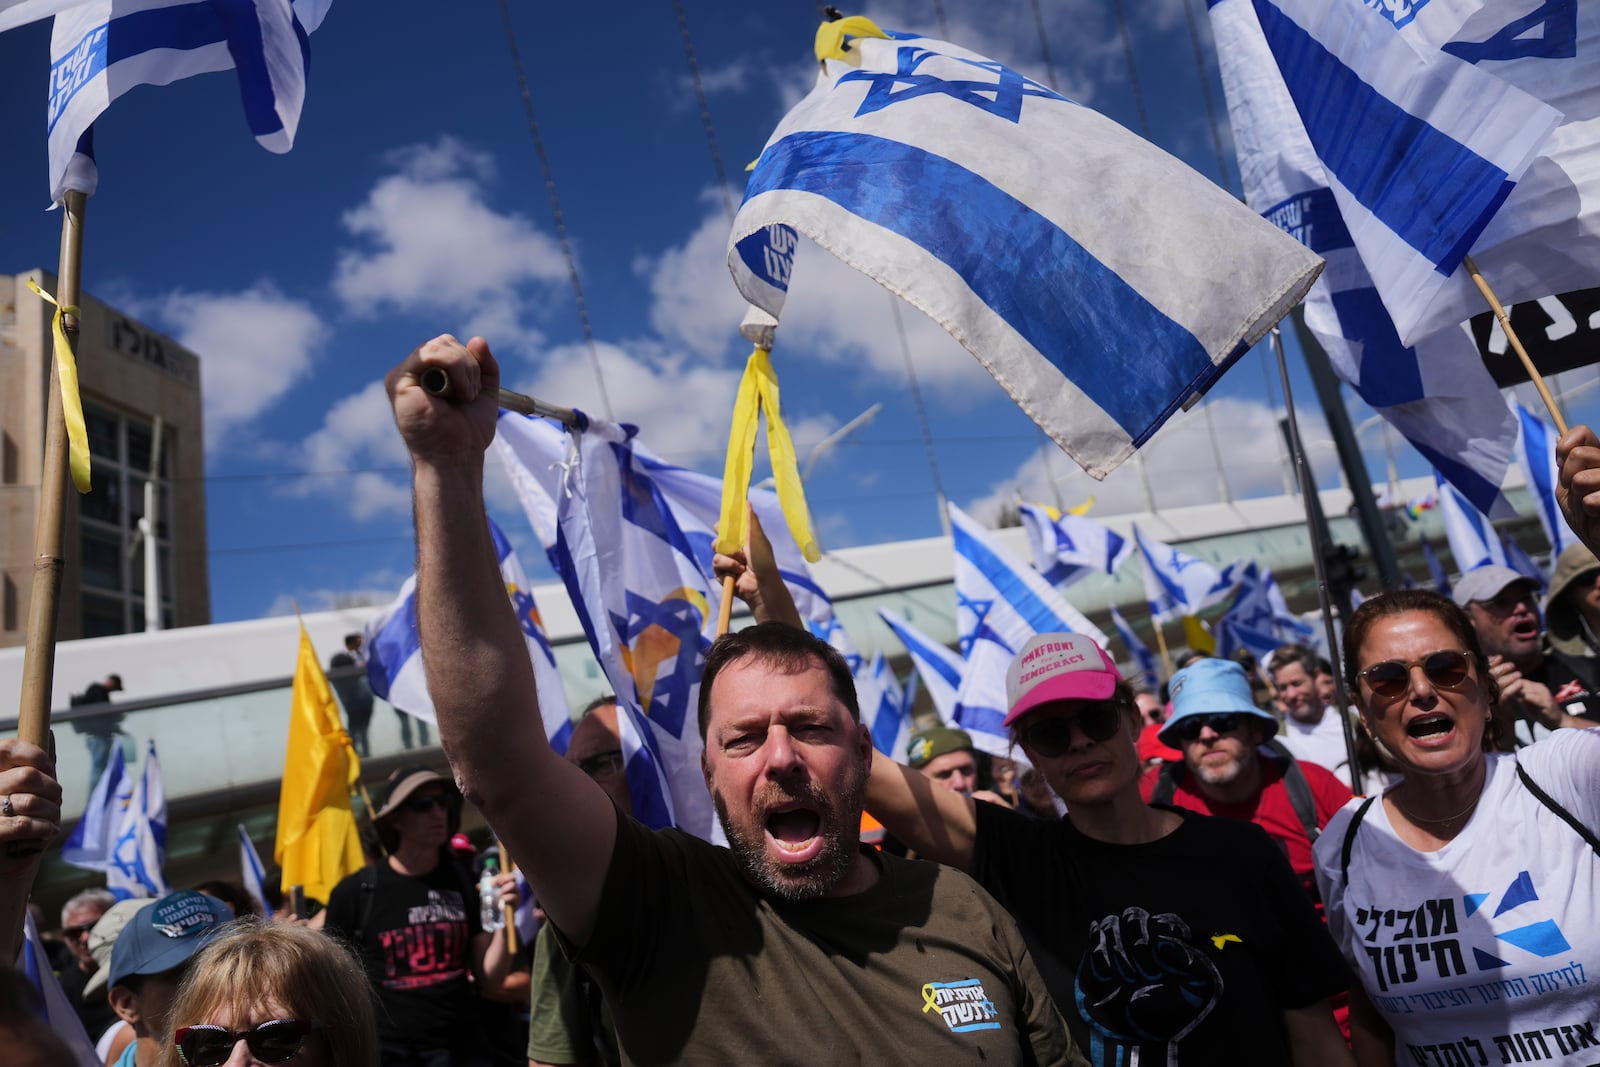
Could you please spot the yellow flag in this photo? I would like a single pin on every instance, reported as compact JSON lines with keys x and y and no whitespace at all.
{"x":1198,"y":635}
{"x":317,"y":839}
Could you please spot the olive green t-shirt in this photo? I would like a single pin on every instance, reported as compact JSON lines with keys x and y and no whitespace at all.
{"x":923,"y":967}
{"x":567,"y":1016}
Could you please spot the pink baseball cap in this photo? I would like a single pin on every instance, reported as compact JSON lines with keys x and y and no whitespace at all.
{"x":1054,"y":667}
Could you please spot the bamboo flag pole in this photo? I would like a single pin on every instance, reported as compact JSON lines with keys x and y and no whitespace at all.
{"x":509,"y":910}
{"x":1516,"y":343}
{"x":39,"y":657}
{"x":1161,"y":642}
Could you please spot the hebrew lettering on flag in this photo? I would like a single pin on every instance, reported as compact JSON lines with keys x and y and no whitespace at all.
{"x":1078,"y":263}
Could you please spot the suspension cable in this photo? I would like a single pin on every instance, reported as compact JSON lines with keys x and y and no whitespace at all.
{"x":705,"y":109}
{"x":1223,"y":176}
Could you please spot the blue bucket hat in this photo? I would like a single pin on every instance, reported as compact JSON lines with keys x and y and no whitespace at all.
{"x":1211,"y":687}
{"x":165,"y":934}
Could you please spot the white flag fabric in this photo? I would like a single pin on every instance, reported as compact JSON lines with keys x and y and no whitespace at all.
{"x":939,"y":668}
{"x":1420,"y":147}
{"x":252,"y":874}
{"x":1178,"y":584}
{"x":638,"y":590}
{"x":1068,"y":547}
{"x":1101,"y":281}
{"x":1000,"y":603}
{"x":394,"y":650}
{"x":1437,"y":393}
{"x":101,"y":49}
{"x":53,"y":1005}
{"x":90,"y":844}
{"x":1149,"y":672}
{"x":1536,"y":451}
{"x":140,"y":849}
{"x":1473,"y":540}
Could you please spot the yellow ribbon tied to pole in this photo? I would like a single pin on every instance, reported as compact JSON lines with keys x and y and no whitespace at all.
{"x":71,"y":403}
{"x":758,"y":392}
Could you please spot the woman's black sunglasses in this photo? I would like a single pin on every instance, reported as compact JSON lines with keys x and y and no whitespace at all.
{"x":1053,"y":736}
{"x":1445,"y":669}
{"x":211,"y":1046}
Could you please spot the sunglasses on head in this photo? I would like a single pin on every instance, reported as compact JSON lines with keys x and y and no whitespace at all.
{"x":429,"y":802}
{"x":1445,"y":669}
{"x":1053,"y":736}
{"x":1188,"y":728}
{"x":211,"y":1046}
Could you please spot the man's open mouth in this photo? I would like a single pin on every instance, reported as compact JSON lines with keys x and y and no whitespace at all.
{"x":794,"y":830}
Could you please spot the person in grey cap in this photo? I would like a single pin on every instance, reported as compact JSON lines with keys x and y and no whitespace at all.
{"x":1503,"y":607}
{"x":148,"y":963}
{"x":1572,"y":633}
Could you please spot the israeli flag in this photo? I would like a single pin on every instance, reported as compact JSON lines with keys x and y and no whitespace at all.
{"x":1536,"y":451}
{"x":1522,"y":563}
{"x":1068,"y":547}
{"x":1436,"y":571}
{"x":51,"y":1003}
{"x":639,"y":591}
{"x":101,"y":49}
{"x":1259,"y":619}
{"x":1420,"y":147}
{"x":253,"y":876}
{"x":883,"y":708}
{"x":90,"y":844}
{"x":139,"y":850}
{"x":394,"y":650}
{"x":1000,"y":603}
{"x":1473,"y":540}
{"x":1142,"y":656}
{"x":939,"y":668}
{"x":1078,"y":263}
{"x":1178,"y":584}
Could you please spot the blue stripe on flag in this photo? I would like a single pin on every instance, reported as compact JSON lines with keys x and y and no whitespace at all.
{"x":1012,"y":589}
{"x":1472,"y":485}
{"x":1390,"y":373}
{"x":933,"y":659}
{"x":392,"y":646}
{"x":886,"y":729}
{"x":974,"y":719}
{"x":1010,"y":256}
{"x":1434,"y":193}
{"x":242,"y":24}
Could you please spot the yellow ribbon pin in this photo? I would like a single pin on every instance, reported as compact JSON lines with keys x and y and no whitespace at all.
{"x":758,"y":392}
{"x":928,"y":1001}
{"x":71,"y":403}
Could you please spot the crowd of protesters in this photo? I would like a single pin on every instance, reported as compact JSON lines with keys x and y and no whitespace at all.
{"x":1201,"y":877}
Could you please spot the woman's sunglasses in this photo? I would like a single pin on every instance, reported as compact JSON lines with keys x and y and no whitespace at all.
{"x":1188,"y":728}
{"x":1445,"y":669}
{"x":210,"y":1046}
{"x":1053,"y":736}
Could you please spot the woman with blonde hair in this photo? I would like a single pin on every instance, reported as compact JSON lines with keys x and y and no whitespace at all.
{"x":273,"y":993}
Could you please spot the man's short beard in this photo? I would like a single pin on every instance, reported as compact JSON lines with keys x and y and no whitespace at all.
{"x":816,"y":877}
{"x":1218,"y":775}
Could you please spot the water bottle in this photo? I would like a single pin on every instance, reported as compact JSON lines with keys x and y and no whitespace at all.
{"x":489,"y":912}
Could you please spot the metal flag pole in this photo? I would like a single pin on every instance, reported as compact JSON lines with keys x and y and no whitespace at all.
{"x":435,"y":381}
{"x":1303,"y":473}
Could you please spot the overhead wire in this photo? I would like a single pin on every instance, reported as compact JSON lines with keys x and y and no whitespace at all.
{"x":705,"y":109}
{"x":1205,"y":95}
{"x":555,"y":209}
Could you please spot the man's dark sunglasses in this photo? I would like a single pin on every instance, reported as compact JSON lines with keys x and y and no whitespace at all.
{"x":1188,"y":728}
{"x":447,"y":801}
{"x":1445,"y":669}
{"x":1053,"y":736}
{"x":211,"y":1046}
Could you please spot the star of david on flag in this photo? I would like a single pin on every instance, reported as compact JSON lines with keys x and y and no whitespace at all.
{"x":1176,"y":583}
{"x":1075,"y":261}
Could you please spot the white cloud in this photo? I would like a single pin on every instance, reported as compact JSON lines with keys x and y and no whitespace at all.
{"x":693,"y":302}
{"x":1180,"y":464}
{"x":357,"y":434}
{"x":430,"y":242}
{"x":376,"y":589}
{"x":254,"y":346}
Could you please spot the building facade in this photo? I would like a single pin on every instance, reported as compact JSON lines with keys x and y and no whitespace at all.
{"x":134,"y":382}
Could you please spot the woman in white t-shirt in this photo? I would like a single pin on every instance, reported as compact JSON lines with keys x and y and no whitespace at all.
{"x":1468,"y":903}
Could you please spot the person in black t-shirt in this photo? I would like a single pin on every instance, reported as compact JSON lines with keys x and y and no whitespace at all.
{"x":413,"y":918}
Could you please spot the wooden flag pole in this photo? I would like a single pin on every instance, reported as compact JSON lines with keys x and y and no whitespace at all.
{"x":39,"y":657}
{"x":725,"y":612}
{"x":510,"y":910}
{"x":1516,"y":343}
{"x":1161,"y":643}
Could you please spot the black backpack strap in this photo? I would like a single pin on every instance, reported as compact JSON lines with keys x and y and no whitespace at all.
{"x":1166,"y":785}
{"x":1550,"y":802}
{"x":1299,"y":790}
{"x":1350,"y":839}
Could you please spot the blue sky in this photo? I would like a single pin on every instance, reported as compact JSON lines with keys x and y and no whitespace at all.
{"x":413,"y":204}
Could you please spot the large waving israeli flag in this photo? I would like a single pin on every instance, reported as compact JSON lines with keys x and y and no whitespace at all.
{"x":394,"y":649}
{"x":139,"y":850}
{"x":52,"y":1003}
{"x":1259,"y":618}
{"x":1142,"y":656}
{"x":1000,"y":603}
{"x":939,"y":668}
{"x":638,"y":590}
{"x":101,"y":49}
{"x":1437,"y":392}
{"x":1068,"y":547}
{"x":89,"y":846}
{"x":1101,"y":281}
{"x":1536,"y":451}
{"x":1178,"y":584}
{"x":1420,"y":147}
{"x":1472,"y":537}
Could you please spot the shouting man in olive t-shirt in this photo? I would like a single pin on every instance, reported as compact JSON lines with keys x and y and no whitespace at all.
{"x":795,"y":943}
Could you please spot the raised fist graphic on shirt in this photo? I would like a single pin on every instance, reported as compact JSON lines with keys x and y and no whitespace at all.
{"x":1143,"y":980}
